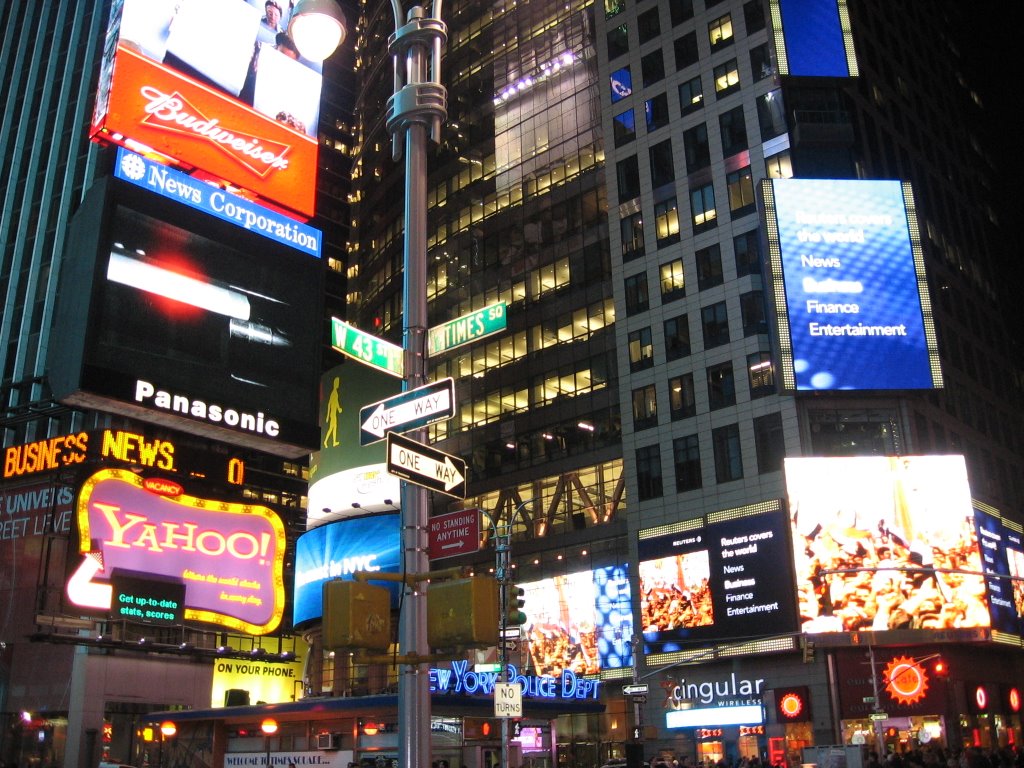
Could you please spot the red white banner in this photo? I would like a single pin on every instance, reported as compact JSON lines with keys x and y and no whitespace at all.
{"x":181,"y":118}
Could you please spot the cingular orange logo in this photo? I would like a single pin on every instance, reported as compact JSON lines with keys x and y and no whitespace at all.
{"x":905,"y":680}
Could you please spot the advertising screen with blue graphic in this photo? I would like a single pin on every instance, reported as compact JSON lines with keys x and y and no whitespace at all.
{"x":722,"y":577}
{"x":335,"y":551}
{"x":579,"y":622}
{"x":814,"y":42}
{"x":1002,"y":558}
{"x":849,"y":290}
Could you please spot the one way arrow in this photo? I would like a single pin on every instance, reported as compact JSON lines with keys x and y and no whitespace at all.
{"x":407,"y":411}
{"x":426,"y":466}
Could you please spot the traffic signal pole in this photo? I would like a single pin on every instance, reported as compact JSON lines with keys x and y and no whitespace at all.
{"x":418,"y":104}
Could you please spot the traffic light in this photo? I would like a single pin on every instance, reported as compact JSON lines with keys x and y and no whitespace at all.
{"x":462,"y":613}
{"x":514,"y":615}
{"x":356,"y":615}
{"x":940,"y":668}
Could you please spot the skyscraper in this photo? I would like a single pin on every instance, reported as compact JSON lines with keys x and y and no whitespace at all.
{"x":599,"y":174}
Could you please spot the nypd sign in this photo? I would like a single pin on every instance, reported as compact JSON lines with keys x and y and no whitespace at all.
{"x":182,"y":188}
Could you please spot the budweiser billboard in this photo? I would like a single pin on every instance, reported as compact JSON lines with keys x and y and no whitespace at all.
{"x":215,"y":86}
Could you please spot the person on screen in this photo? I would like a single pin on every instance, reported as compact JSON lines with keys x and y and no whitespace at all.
{"x":272,"y":16}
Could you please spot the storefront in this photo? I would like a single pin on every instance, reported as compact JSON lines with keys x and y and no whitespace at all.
{"x":895,"y":699}
{"x":744,"y":709}
{"x":332,"y":732}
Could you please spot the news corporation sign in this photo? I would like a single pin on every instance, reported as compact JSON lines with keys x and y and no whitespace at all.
{"x":182,"y":188}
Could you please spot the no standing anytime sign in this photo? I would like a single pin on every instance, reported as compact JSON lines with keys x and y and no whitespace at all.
{"x":454,"y":533}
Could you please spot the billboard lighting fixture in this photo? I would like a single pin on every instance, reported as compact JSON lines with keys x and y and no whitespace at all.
{"x":172,"y":285}
{"x":317,"y":27}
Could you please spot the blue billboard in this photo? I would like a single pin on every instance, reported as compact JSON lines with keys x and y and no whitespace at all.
{"x":815,"y":39}
{"x":1002,"y":560}
{"x":337,"y":550}
{"x":848,"y":286}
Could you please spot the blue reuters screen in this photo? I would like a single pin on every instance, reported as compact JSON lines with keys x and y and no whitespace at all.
{"x":854,"y":312}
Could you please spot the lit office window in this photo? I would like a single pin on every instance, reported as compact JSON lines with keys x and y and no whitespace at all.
{"x":666,"y":222}
{"x":691,"y":96}
{"x":682,"y":400}
{"x":645,"y":407}
{"x":641,"y":350}
{"x":702,"y":208}
{"x":673,"y":280}
{"x":727,"y":78}
{"x":720,"y":32}
{"x":741,"y":192}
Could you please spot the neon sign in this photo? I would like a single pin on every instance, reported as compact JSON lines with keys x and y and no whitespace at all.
{"x":906,"y":680}
{"x":228,"y":556}
{"x":461,"y":679}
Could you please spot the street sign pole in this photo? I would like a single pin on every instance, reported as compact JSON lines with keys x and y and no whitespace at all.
{"x":418,"y":104}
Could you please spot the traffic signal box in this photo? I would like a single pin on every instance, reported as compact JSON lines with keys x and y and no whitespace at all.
{"x":514,"y":615}
{"x":463,"y":613}
{"x":356,"y":616}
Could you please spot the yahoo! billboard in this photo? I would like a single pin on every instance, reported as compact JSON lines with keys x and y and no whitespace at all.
{"x":228,"y":557}
{"x":214,"y":85}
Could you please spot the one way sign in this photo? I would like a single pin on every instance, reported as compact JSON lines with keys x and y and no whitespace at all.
{"x":426,"y":466}
{"x":407,"y":411}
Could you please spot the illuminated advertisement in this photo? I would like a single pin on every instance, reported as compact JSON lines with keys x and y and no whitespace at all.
{"x":184,"y":330}
{"x":228,"y":557}
{"x":246,"y":214}
{"x":335,"y":551}
{"x":263,"y":680}
{"x":347,"y":479}
{"x":71,"y":450}
{"x":581,"y":622}
{"x":1002,"y":557}
{"x":216,"y":85}
{"x":815,"y":39}
{"x":850,"y":295}
{"x":723,"y":576}
{"x":885,"y":543}
{"x":461,"y":678}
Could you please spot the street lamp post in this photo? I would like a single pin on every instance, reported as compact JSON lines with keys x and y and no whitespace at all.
{"x":503,"y":574}
{"x":418,"y":103}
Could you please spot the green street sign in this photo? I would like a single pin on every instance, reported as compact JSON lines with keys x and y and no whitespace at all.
{"x":468,"y":328}
{"x":367,"y":349}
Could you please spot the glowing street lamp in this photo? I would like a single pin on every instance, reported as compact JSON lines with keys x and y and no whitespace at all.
{"x":317,"y":27}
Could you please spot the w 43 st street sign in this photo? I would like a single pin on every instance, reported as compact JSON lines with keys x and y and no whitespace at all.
{"x":407,"y":411}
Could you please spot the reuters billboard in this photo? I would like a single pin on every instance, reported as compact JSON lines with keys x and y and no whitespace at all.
{"x":885,"y":543}
{"x":213,"y":85}
{"x":848,"y":286}
{"x":152,"y":553}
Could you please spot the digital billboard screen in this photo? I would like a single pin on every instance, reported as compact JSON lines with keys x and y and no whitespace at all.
{"x":579,"y":622}
{"x":709,"y":579}
{"x":815,"y":39}
{"x":172,"y":317}
{"x":152,"y":553}
{"x":217,"y":85}
{"x":849,"y":291}
{"x":1001,"y":547}
{"x":885,"y":543}
{"x":335,"y":551}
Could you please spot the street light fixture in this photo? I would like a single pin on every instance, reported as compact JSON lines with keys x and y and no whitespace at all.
{"x":317,"y":27}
